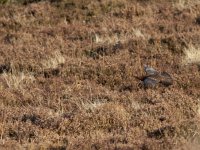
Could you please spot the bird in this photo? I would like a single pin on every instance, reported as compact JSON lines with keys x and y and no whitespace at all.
{"x":166,"y":79}
{"x":149,"y":82}
{"x":150,"y":70}
{"x":154,"y":78}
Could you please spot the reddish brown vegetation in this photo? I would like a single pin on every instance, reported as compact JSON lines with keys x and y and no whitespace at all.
{"x":67,"y":75}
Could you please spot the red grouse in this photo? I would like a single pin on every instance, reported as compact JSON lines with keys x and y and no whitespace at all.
{"x":154,"y":78}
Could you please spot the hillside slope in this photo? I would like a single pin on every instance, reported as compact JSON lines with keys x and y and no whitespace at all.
{"x":67,"y":74}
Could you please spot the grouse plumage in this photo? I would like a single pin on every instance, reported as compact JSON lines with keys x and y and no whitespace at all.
{"x":150,"y":70}
{"x":154,"y":78}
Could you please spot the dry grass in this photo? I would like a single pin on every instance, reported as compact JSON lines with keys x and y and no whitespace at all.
{"x":113,"y":39}
{"x":184,"y":4}
{"x":67,"y":75}
{"x":192,"y":55}
{"x":16,"y":81}
{"x":53,"y":61}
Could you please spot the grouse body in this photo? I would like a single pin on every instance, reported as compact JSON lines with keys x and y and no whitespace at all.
{"x":154,"y":78}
